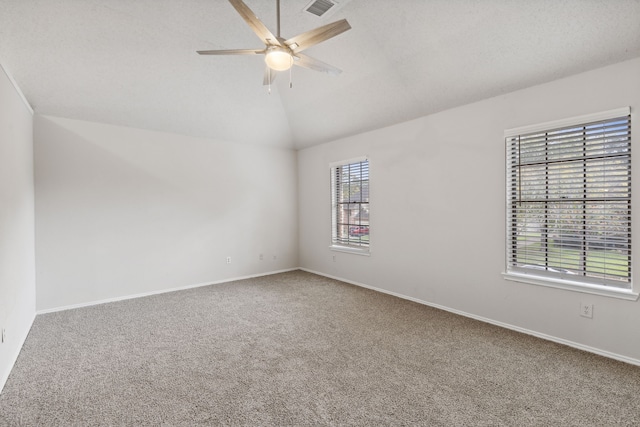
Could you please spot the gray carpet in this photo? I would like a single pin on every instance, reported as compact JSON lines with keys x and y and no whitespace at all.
{"x":299,"y":349}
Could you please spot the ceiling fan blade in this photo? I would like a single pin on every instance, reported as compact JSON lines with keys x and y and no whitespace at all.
{"x":310,"y":38}
{"x":256,"y":25}
{"x":306,"y":61}
{"x":231,"y":52}
{"x":269,"y":76}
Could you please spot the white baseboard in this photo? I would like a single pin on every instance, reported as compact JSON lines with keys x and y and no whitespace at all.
{"x":4,"y":376}
{"x":579,"y":346}
{"x":162,"y":291}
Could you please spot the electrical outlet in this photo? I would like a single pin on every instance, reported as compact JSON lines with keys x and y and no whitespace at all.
{"x":228,"y":260}
{"x":586,"y":310}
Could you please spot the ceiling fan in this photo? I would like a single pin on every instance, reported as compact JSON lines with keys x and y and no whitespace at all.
{"x":281,"y":54}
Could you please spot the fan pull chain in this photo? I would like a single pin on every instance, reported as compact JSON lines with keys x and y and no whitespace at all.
{"x":269,"y":81}
{"x":290,"y":78}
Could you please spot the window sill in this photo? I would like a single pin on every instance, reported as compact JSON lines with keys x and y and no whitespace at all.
{"x":607,"y":291}
{"x":350,"y":250}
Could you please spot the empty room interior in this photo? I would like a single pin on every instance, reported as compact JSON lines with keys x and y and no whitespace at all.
{"x":425,"y":218}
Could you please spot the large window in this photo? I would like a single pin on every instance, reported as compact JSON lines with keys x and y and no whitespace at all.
{"x":350,"y":205}
{"x":569,"y":202}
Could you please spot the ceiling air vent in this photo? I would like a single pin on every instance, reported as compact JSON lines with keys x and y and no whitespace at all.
{"x":324,"y":8}
{"x":319,"y":7}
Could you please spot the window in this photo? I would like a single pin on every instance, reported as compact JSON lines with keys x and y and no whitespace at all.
{"x":350,"y":205}
{"x":569,"y":201}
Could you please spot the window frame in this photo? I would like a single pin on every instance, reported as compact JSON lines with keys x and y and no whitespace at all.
{"x":535,"y":277}
{"x":334,"y":244}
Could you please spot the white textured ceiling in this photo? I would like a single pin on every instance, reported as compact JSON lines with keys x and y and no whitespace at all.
{"x":133,"y":62}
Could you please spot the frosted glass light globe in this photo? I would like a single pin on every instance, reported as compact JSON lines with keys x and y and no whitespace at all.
{"x":278,"y":59}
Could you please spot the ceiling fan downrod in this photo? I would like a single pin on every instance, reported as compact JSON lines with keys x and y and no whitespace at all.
{"x":278,"y":12}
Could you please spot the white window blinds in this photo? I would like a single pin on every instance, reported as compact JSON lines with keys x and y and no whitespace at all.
{"x":350,"y":204}
{"x":569,"y":203}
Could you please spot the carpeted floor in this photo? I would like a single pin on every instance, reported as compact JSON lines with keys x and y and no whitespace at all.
{"x":300,"y":349}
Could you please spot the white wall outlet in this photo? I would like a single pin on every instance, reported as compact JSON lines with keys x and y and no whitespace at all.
{"x":4,"y":335}
{"x":228,"y":260}
{"x":586,"y":310}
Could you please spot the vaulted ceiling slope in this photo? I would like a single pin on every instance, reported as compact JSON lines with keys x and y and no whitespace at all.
{"x":134,"y":63}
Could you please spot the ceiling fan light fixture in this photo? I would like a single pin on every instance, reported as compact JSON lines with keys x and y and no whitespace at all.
{"x":278,"y":59}
{"x":280,"y":54}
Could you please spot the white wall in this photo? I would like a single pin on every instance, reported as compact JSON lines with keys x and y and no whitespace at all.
{"x":438,"y":212}
{"x":122,"y":211}
{"x":17,"y":270}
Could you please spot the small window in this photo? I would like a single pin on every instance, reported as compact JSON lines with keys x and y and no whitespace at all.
{"x":569,"y":202}
{"x":350,"y":228}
